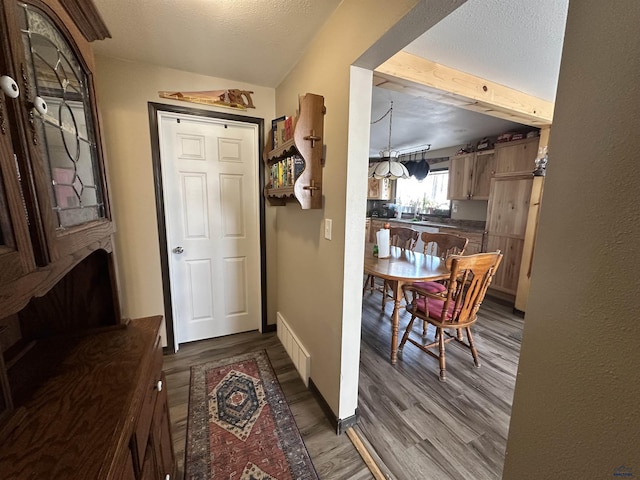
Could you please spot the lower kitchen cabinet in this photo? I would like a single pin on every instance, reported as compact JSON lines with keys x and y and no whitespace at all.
{"x":506,"y":278}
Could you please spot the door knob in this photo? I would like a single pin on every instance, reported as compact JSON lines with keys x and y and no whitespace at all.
{"x":178,"y":250}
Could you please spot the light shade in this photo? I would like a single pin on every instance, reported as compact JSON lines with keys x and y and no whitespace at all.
{"x":391,"y":169}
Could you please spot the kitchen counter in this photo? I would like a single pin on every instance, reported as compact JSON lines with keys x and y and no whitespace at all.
{"x":463,"y":225}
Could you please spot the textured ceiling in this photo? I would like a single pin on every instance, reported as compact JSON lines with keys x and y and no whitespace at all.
{"x":253,"y":41}
{"x":516,"y":43}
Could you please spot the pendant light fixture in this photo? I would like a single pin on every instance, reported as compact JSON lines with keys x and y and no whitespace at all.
{"x":389,"y":166}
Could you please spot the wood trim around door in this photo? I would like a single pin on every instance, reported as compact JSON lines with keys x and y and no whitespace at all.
{"x":154,"y":108}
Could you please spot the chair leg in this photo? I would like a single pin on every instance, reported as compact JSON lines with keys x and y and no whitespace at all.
{"x":441,"y":360}
{"x":406,"y":336}
{"x":369,"y":284}
{"x":472,"y":346}
{"x":385,"y":286}
{"x":425,"y":326}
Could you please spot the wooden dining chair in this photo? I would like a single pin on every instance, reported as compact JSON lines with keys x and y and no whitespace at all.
{"x":455,"y":308}
{"x":405,"y":238}
{"x":441,"y":245}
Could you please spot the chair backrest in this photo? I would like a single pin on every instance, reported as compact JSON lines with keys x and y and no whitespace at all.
{"x":443,"y":245}
{"x":403,"y":237}
{"x":470,"y":277}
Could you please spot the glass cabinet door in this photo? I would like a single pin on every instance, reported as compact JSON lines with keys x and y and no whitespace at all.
{"x":16,"y":256}
{"x":64,"y":132}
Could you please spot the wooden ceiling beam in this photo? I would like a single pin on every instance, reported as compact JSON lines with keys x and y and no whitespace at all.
{"x":417,"y":76}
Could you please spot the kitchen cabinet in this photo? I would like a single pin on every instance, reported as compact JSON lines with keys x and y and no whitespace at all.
{"x":516,"y":156}
{"x":379,"y":189}
{"x":470,"y":175}
{"x":507,"y":217}
{"x":460,"y":171}
{"x":484,"y":166}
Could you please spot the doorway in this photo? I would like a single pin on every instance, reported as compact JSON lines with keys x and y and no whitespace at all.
{"x":210,"y":214}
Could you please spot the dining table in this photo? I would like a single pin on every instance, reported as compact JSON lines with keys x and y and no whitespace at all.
{"x":402,"y":266}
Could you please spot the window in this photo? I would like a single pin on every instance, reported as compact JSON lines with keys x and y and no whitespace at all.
{"x":428,"y":196}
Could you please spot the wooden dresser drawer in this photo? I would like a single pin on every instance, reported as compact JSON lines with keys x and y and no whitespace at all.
{"x":143,"y":426}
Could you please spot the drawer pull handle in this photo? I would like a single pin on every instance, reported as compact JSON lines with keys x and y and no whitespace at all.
{"x":168,"y":477}
{"x":159,"y":385}
{"x":9,"y":86}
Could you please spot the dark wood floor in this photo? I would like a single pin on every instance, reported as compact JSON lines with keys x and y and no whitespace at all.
{"x":420,"y":427}
{"x":415,"y":426}
{"x":334,"y":456}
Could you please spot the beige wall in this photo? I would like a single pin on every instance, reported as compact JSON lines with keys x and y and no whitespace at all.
{"x":575,"y":412}
{"x":320,"y":281}
{"x":124,"y":89}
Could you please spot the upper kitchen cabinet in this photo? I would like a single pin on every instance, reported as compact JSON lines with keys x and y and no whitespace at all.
{"x":470,"y":175}
{"x":379,"y":189}
{"x":460,"y":170}
{"x":53,"y":195}
{"x":516,"y":156}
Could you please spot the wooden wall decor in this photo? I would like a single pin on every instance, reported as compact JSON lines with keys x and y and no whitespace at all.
{"x":232,"y":98}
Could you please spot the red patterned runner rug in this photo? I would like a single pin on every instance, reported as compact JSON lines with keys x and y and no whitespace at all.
{"x":240,"y":426}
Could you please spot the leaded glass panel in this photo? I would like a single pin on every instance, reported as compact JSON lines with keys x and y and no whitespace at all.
{"x":65,"y":132}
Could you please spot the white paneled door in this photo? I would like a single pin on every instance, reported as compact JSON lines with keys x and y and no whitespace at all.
{"x":210,"y":184}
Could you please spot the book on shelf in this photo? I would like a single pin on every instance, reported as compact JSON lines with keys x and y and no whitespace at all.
{"x":274,"y":131}
{"x":286,"y":171}
{"x":288,"y":128}
{"x":298,"y":166}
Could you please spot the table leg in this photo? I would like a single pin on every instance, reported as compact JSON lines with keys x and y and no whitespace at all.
{"x":395,"y":320}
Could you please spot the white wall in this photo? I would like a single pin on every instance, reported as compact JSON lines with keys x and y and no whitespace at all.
{"x":575,"y":411}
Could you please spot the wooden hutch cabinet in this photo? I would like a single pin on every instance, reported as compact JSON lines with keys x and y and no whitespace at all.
{"x":82,"y":393}
{"x":294,"y":168}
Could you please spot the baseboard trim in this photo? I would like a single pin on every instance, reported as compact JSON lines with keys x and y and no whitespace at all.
{"x":269,"y":328}
{"x":340,"y":425}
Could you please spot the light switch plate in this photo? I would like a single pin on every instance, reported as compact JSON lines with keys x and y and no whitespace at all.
{"x":328,"y":224}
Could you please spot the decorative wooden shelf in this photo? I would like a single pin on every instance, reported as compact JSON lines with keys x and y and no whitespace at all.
{"x":307,"y":144}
